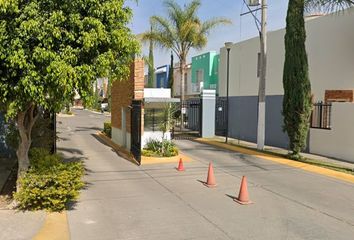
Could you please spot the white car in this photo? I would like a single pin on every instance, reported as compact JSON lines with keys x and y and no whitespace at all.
{"x":104,"y":107}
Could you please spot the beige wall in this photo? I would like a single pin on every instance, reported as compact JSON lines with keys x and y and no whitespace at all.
{"x":337,"y":142}
{"x":330,"y":52}
{"x":177,"y":81}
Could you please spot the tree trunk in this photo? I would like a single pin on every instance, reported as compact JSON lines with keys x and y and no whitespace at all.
{"x":25,"y":121}
{"x":182,"y":70}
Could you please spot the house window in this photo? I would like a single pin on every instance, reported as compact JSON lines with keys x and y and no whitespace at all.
{"x":199,"y":79}
{"x":153,"y":119}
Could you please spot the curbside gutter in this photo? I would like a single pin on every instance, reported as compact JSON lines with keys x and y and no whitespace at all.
{"x":304,"y":166}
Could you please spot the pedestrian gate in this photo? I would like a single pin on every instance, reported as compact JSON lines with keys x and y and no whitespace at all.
{"x":220,"y":116}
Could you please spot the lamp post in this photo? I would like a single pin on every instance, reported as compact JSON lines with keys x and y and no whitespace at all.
{"x":228,"y":46}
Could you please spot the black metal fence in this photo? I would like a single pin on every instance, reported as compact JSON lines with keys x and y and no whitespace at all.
{"x":321,"y":116}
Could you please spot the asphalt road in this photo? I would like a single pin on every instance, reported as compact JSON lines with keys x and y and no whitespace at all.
{"x":124,"y":201}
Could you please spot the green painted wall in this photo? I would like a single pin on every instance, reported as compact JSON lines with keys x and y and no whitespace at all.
{"x":209,"y":63}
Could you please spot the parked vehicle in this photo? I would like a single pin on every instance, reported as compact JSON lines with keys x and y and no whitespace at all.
{"x":104,"y":105}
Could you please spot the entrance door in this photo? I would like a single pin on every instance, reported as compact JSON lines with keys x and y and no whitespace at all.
{"x":220,"y":116}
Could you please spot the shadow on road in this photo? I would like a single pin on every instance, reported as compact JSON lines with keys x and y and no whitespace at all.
{"x":70,"y":150}
{"x":87,"y":129}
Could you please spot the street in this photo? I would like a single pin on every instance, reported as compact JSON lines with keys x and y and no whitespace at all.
{"x":124,"y":201}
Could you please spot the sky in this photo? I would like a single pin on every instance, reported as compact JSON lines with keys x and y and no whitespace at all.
{"x":242,"y":28}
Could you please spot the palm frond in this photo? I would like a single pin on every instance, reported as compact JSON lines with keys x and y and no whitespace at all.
{"x":210,"y":24}
{"x":182,"y":29}
{"x":191,"y":9}
{"x":327,"y":5}
{"x":174,"y":12}
{"x":162,"y":25}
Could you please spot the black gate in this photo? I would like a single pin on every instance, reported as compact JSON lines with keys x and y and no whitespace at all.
{"x":136,"y":130}
{"x":191,"y":110}
{"x":220,"y":116}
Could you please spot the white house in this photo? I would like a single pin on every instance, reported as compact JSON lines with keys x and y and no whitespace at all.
{"x":330,"y":51}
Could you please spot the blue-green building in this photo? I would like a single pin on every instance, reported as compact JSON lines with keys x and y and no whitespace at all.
{"x":205,"y":70}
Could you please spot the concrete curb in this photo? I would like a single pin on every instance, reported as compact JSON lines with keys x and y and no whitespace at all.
{"x":55,"y":227}
{"x":144,"y":160}
{"x":118,"y":149}
{"x":304,"y":166}
{"x":159,"y":160}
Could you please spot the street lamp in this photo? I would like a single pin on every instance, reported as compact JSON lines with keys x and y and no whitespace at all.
{"x":228,"y":46}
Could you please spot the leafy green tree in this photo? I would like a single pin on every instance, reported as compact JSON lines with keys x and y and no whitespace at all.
{"x":181,"y":31}
{"x":50,"y":48}
{"x":297,"y":103}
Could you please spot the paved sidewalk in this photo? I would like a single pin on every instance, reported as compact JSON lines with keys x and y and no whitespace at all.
{"x":17,"y":225}
{"x":324,"y":159}
{"x":124,"y":201}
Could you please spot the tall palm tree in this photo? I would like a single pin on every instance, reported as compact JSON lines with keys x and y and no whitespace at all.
{"x":296,"y":82}
{"x":181,"y":31}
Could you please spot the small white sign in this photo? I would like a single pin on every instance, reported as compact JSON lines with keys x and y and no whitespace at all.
{"x":184,"y":110}
{"x":220,"y":109}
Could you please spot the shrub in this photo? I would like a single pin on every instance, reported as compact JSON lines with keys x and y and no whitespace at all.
{"x":40,"y":158}
{"x":153,"y":145}
{"x":162,"y":148}
{"x":107,"y":129}
{"x":148,"y":153}
{"x":50,"y":183}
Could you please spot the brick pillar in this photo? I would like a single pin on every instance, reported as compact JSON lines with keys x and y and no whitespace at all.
{"x":122,"y":93}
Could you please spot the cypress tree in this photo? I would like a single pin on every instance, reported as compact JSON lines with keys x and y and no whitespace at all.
{"x":296,"y":83}
{"x":170,"y":75}
{"x":151,"y":70}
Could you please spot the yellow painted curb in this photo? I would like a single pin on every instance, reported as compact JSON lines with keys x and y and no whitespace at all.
{"x":144,"y":160}
{"x":285,"y":161}
{"x":55,"y":227}
{"x":159,"y":160}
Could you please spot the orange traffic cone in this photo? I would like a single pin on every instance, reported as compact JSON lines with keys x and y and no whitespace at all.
{"x":243,"y":197}
{"x":180,"y":165}
{"x":211,"y":178}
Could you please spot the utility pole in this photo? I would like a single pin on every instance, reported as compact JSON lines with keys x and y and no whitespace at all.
{"x":262,"y":29}
{"x":262,"y":78}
